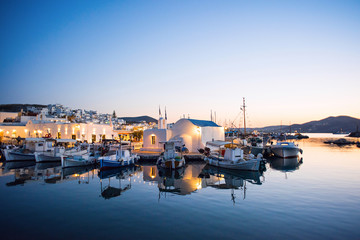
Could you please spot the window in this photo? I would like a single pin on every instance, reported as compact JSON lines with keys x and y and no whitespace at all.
{"x":153,"y":139}
{"x":59,"y":135}
{"x":73,"y":136}
{"x":93,"y":138}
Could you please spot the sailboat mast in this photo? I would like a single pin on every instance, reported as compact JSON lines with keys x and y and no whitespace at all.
{"x":244,"y":116}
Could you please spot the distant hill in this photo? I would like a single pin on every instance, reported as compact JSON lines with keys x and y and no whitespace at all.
{"x":327,"y":125}
{"x":18,"y":107}
{"x":139,"y":119}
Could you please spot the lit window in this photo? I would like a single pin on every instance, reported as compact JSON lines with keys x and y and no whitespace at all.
{"x":153,"y":139}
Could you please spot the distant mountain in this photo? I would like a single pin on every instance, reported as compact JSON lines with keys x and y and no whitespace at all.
{"x":18,"y":107}
{"x":139,"y":119}
{"x":327,"y":125}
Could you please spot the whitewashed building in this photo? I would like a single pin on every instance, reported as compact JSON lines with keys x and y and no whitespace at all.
{"x":191,"y":132}
{"x":90,"y":132}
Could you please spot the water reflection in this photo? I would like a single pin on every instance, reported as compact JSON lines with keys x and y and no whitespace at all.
{"x":114,"y":182}
{"x":50,"y":173}
{"x":198,"y":176}
{"x":181,"y":182}
{"x":230,"y":179}
{"x":122,"y":177}
{"x":285,"y":164}
{"x":81,"y":174}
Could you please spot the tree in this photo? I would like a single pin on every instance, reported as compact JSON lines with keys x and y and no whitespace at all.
{"x":137,"y":135}
{"x":114,"y":114}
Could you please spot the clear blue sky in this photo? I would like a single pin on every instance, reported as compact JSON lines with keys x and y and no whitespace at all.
{"x":292,"y":60}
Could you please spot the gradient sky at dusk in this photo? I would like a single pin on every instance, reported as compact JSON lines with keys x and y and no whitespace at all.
{"x":293,"y":61}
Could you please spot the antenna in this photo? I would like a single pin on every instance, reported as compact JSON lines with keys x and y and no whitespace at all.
{"x":243,"y":108}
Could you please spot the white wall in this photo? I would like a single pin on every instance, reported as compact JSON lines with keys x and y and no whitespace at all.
{"x":210,"y":133}
{"x":161,"y":135}
{"x":187,"y":132}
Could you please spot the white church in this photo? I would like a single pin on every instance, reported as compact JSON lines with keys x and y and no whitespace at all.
{"x":191,"y":132}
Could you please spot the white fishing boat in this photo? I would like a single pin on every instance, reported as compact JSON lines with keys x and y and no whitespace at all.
{"x":170,"y":158}
{"x":285,"y":149}
{"x":27,"y":151}
{"x":232,"y":158}
{"x":54,"y":154}
{"x":78,"y":160}
{"x":121,"y":157}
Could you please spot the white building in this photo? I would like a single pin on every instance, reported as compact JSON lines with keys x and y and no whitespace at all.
{"x":89,"y":132}
{"x":191,"y":132}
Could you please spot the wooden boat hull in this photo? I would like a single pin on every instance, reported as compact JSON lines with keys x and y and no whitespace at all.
{"x":107,"y":164}
{"x":71,"y":162}
{"x":17,"y":156}
{"x":248,"y":165}
{"x":40,"y":157}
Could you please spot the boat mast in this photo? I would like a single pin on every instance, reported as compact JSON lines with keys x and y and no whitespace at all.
{"x":243,"y":107}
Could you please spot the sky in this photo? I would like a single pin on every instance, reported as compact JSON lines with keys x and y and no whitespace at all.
{"x":293,"y":61}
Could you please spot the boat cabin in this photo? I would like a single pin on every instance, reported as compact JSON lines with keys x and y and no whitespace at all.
{"x":232,"y":154}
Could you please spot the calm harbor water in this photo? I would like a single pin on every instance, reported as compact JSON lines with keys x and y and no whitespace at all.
{"x":318,"y":198}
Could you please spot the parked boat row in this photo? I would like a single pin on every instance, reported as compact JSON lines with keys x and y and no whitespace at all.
{"x":71,"y":154}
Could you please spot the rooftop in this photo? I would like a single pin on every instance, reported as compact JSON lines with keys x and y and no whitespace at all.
{"x":203,"y":123}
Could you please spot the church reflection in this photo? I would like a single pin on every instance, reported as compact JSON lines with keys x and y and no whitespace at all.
{"x":197,"y":176}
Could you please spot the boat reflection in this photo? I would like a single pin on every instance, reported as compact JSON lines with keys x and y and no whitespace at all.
{"x":30,"y":172}
{"x":123,"y":181}
{"x":231,"y":179}
{"x":47,"y":172}
{"x":285,"y":164}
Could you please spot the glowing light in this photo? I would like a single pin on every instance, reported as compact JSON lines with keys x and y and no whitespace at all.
{"x":7,"y":132}
{"x":65,"y":131}
{"x":1,"y":130}
{"x":73,"y":130}
{"x":198,"y":185}
{"x":25,"y":130}
{"x":198,"y":130}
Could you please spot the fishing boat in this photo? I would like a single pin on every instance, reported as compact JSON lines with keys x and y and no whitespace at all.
{"x":170,"y":158}
{"x":285,"y":149}
{"x":78,"y":160}
{"x":54,"y":154}
{"x":27,"y":151}
{"x":119,"y":158}
{"x":232,"y":158}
